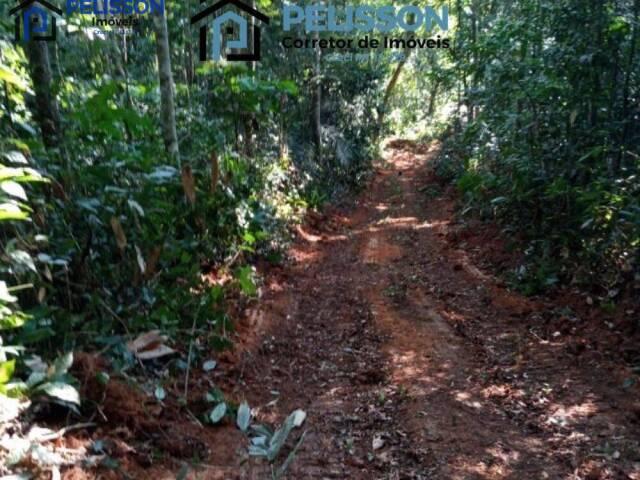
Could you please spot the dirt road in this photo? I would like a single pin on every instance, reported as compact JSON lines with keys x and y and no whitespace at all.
{"x":412,"y":363}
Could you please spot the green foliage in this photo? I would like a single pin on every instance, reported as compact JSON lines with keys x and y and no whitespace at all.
{"x":19,"y":262}
{"x":53,"y":380}
{"x":544,"y":136}
{"x":121,"y":239}
{"x":218,"y":412}
{"x":268,"y":444}
{"x":243,"y":418}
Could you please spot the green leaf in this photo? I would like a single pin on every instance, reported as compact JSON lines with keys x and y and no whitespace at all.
{"x":244,"y":417}
{"x":288,"y":86}
{"x":160,"y":394}
{"x":63,"y":364}
{"x":15,"y":156}
{"x":217,"y":413}
{"x":209,"y":365}
{"x":258,"y":451}
{"x":244,"y":275}
{"x":11,"y":77}
{"x":61,"y":391}
{"x":22,"y":258}
{"x":299,"y":417}
{"x":259,"y":441}
{"x":10,"y":211}
{"x":287,"y":463}
{"x":14,"y":189}
{"x":13,"y":320}
{"x":36,"y":378}
{"x":5,"y":296}
{"x":103,"y":378}
{"x":249,"y":238}
{"x":280,"y":437}
{"x":6,"y":371}
{"x":135,"y":206}
{"x":262,"y":430}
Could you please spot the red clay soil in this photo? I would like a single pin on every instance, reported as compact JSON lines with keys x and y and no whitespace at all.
{"x":410,"y":361}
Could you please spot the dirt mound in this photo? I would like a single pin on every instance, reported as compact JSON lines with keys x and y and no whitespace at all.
{"x":121,"y":403}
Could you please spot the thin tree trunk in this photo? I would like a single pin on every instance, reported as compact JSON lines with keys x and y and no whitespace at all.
{"x":318,"y":103}
{"x":118,"y":61}
{"x":459,"y":48}
{"x":474,"y":40}
{"x":432,"y":99}
{"x":627,"y":88}
{"x":393,"y":81}
{"x":46,"y":109}
{"x":167,"y":106}
{"x":189,"y":67}
{"x":282,"y":140}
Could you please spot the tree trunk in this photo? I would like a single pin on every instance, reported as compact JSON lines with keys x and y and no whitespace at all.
{"x":189,"y":68}
{"x":458,"y":53}
{"x":282,"y":138}
{"x":626,"y":89}
{"x":474,"y":40}
{"x":318,"y":103}
{"x":392,"y":84}
{"x":167,"y":107}
{"x":46,"y":109}
{"x":432,"y":99}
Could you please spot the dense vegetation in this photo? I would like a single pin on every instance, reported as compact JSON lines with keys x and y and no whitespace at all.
{"x":546,"y":129}
{"x":137,"y":198}
{"x":139,"y":186}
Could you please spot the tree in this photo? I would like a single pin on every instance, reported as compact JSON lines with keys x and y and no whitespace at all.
{"x":47,"y":113}
{"x":167,"y":105}
{"x":317,"y":110}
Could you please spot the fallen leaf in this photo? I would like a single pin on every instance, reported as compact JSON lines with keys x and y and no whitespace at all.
{"x":377,"y":443}
{"x":217,"y":413}
{"x":159,"y":351}
{"x":209,"y":365}
{"x":141,"y":263}
{"x":299,"y":417}
{"x":244,"y":416}
{"x":150,"y":345}
{"x":152,"y":263}
{"x":189,"y":184}
{"x":146,"y":341}
{"x":160,"y":393}
{"x":118,"y":231}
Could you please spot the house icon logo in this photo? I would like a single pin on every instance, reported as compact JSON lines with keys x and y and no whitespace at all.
{"x":233,"y":38}
{"x":32,"y":21}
